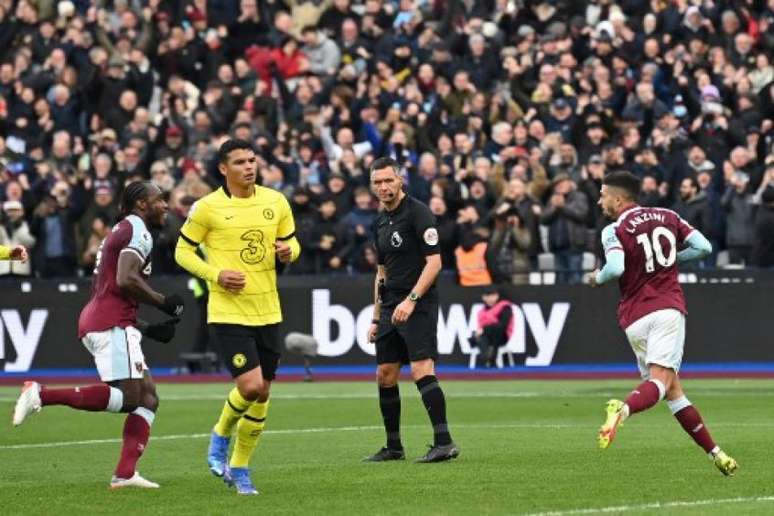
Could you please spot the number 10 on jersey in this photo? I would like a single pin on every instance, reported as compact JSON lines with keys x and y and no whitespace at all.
{"x":651,"y":244}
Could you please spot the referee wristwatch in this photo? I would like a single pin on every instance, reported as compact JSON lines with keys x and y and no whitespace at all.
{"x":413,"y":297}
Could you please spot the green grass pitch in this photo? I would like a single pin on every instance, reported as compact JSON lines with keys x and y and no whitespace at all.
{"x":527,"y":447}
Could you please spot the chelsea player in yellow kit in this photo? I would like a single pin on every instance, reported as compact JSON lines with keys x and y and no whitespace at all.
{"x":246,"y":229}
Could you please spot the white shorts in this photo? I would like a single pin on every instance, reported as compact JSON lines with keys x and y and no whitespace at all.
{"x":117,"y":353}
{"x":658,"y":338}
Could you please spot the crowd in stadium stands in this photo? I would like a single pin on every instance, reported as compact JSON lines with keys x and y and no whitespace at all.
{"x":504,"y":114}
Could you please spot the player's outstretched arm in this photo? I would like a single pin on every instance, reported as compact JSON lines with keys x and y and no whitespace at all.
{"x":698,"y":247}
{"x":130,"y":280}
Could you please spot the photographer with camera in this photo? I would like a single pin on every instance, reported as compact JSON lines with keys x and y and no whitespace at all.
{"x":510,"y":243}
{"x":565,"y":217}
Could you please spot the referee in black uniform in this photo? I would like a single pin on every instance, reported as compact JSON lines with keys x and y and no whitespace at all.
{"x":405,"y":321}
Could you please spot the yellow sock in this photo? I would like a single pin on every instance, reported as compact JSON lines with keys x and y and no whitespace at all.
{"x":249,"y":430}
{"x":233,"y":409}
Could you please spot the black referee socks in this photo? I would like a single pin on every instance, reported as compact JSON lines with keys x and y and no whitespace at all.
{"x":435,"y":403}
{"x":389,"y":402}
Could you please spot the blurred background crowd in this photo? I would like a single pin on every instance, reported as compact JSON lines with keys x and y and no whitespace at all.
{"x":505,"y":114}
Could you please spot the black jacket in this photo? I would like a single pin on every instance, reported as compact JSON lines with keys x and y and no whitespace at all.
{"x":697,"y":212}
{"x":763,"y":237}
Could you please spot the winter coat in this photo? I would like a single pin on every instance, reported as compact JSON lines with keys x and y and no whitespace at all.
{"x":697,"y":212}
{"x":573,"y":215}
{"x":323,"y":56}
{"x":510,"y":246}
{"x":763,"y":238}
{"x":740,"y":214}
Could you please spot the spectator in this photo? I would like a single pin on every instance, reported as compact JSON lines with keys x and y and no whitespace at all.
{"x":306,"y":218}
{"x":54,"y":228}
{"x":331,"y":240}
{"x":365,"y":261}
{"x":165,"y":239}
{"x":521,"y":204}
{"x":340,"y":192}
{"x":510,"y":245}
{"x":15,"y":231}
{"x":359,"y":221}
{"x":473,"y":258}
{"x":494,"y":326}
{"x":323,"y":54}
{"x":740,"y":213}
{"x":464,"y":95}
{"x":693,"y":206}
{"x":100,"y":228}
{"x":565,"y":217}
{"x":448,"y":233}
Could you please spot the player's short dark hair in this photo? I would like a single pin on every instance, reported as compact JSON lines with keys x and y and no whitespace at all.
{"x":624,"y":180}
{"x":232,"y":145}
{"x":384,"y":162}
{"x":135,"y":191}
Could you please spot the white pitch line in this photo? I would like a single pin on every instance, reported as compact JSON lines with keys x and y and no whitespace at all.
{"x":655,"y":506}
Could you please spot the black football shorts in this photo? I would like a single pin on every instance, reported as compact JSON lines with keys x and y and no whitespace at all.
{"x":416,"y":339}
{"x":243,"y":348}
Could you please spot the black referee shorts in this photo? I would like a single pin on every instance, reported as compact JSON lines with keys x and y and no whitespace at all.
{"x":416,"y":339}
{"x":243,"y":348}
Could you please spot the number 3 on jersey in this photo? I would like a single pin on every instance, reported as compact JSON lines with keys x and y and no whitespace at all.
{"x":656,"y":249}
{"x":255,"y":250}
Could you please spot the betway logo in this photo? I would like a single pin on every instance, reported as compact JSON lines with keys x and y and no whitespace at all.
{"x":453,"y":327}
{"x":24,"y":341}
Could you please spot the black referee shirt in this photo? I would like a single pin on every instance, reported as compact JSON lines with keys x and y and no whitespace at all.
{"x":404,"y":237}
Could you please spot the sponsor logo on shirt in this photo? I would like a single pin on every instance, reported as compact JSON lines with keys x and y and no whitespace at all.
{"x":396,"y":240}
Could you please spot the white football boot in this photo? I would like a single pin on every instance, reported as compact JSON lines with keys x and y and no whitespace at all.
{"x":135,"y":481}
{"x":28,"y":402}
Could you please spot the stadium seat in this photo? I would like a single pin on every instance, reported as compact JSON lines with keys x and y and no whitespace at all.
{"x":546,"y":262}
{"x":543,"y":236}
{"x":501,"y":353}
{"x":724,"y":258}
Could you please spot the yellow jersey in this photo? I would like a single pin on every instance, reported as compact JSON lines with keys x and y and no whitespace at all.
{"x":239,"y":234}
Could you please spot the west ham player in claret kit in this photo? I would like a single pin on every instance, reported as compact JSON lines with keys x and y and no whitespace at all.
{"x":641,"y":251}
{"x":108,"y":327}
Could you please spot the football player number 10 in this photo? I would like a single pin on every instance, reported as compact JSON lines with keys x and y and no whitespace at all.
{"x":651,"y":244}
